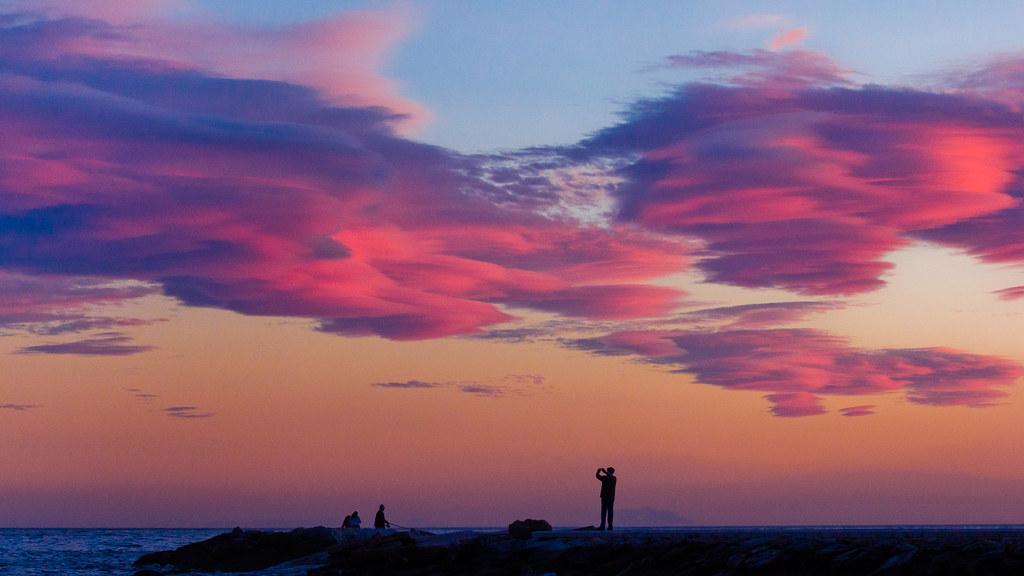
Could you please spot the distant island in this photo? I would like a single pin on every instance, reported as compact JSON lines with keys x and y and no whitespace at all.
{"x":531,"y":547}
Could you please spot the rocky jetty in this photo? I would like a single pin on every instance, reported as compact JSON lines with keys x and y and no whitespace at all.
{"x":767,"y":552}
{"x":243,"y":550}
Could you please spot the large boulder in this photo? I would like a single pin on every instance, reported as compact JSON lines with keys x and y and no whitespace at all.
{"x":244,"y":550}
{"x":524,"y":529}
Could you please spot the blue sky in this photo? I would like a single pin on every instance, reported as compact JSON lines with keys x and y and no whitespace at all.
{"x":501,"y":75}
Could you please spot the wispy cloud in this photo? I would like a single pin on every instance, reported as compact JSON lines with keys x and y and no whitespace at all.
{"x":305,"y":53}
{"x":1013,"y":293}
{"x":183,"y":412}
{"x":800,"y":366}
{"x":110,"y":344}
{"x":108,"y":10}
{"x":514,"y":335}
{"x":18,"y":407}
{"x":139,"y":393}
{"x":50,"y":305}
{"x":787,"y":38}
{"x":516,"y":384}
{"x":864,"y":410}
{"x":766,"y":315}
{"x":762,"y":70}
{"x":409,"y":384}
{"x":186,"y":412}
{"x":795,"y":404}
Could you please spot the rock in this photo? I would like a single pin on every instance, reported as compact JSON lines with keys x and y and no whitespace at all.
{"x":902,"y":554}
{"x":524,"y":529}
{"x":244,"y":550}
{"x":696,"y":553}
{"x":762,"y":557}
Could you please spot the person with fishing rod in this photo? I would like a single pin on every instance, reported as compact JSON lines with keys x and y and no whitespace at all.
{"x":379,"y":522}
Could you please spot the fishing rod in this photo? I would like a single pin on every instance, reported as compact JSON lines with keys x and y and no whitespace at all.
{"x":410,"y":529}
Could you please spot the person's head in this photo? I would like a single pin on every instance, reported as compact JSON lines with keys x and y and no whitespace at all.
{"x":355,"y":513}
{"x":381,"y":506}
{"x":610,"y":470}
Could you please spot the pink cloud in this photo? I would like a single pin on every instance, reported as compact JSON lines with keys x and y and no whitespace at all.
{"x":603,"y":302}
{"x":250,"y":186}
{"x":999,"y":78}
{"x":1014,"y":293}
{"x":795,"y":404}
{"x":793,"y":179}
{"x":758,"y":315}
{"x":115,"y":11}
{"x":50,"y":305}
{"x":786,"y":38}
{"x":340,"y":56}
{"x":292,"y":207}
{"x":991,"y":237}
{"x":765,"y":69}
{"x":39,"y":294}
{"x":647,"y":343}
{"x":797,"y":367}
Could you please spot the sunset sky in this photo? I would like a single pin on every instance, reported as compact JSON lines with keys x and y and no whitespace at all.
{"x":263,"y":263}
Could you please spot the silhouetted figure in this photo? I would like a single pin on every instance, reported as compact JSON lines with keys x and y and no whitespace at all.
{"x":607,"y":479}
{"x":347,"y":523}
{"x":355,"y":522}
{"x":379,"y":521}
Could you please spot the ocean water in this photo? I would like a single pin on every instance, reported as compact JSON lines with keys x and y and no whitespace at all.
{"x":85,"y":552}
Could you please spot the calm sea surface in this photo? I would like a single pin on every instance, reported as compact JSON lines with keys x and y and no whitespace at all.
{"x":101,"y":552}
{"x":80,"y":552}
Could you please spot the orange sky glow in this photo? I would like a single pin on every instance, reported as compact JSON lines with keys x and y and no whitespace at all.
{"x":252,"y":286}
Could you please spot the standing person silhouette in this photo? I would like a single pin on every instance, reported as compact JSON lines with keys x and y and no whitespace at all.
{"x":379,"y":522}
{"x":608,"y":479}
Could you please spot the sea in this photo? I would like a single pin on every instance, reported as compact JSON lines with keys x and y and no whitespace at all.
{"x":111,"y":552}
{"x":86,"y":552}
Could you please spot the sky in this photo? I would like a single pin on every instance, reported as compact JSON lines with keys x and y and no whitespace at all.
{"x":263,"y":263}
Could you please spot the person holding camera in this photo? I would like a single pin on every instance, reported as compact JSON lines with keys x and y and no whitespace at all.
{"x":608,"y":479}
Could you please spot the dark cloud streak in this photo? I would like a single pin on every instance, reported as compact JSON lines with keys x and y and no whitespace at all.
{"x":186,"y":412}
{"x":104,"y":345}
{"x":517,"y":384}
{"x":18,"y":407}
